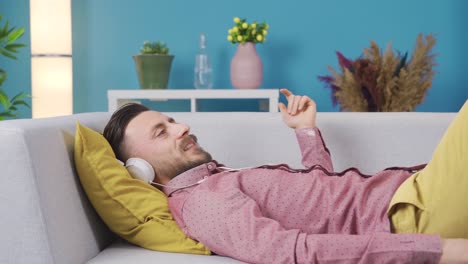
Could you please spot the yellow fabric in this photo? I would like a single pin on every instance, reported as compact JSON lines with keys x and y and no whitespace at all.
{"x":434,"y":200}
{"x":132,"y":209}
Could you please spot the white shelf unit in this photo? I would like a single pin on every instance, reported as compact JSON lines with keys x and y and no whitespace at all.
{"x":116,"y":98}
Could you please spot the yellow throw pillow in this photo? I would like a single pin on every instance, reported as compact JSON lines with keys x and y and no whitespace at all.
{"x":131,"y":208}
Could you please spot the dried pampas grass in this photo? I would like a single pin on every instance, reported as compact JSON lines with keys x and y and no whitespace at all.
{"x":383,"y":82}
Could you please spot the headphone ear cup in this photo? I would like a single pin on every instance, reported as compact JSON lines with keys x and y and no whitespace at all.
{"x":140,"y":169}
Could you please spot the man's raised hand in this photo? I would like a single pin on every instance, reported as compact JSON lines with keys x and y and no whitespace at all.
{"x":300,"y":112}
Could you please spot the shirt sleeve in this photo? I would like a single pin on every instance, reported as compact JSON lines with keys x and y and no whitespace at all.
{"x":231,"y":224}
{"x":313,"y":149}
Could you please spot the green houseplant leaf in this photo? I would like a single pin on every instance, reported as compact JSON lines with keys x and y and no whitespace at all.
{"x":19,"y":96}
{"x":8,"y":48}
{"x":2,"y":76}
{"x":21,"y":102}
{"x":14,"y":47}
{"x":4,"y":115}
{"x":7,"y":54}
{"x":13,"y":36}
{"x":4,"y":100}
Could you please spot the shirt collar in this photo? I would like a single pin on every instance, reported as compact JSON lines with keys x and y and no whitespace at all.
{"x":191,"y":177}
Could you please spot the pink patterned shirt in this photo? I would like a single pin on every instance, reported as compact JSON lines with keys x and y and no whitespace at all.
{"x":276,"y":214}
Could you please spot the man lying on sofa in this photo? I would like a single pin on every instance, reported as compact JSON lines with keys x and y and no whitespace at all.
{"x":277,"y":214}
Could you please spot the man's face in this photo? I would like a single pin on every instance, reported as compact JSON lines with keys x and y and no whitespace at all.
{"x":165,"y":144}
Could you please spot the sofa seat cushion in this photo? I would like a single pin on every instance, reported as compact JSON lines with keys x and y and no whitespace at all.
{"x":121,"y":252}
{"x":131,"y":208}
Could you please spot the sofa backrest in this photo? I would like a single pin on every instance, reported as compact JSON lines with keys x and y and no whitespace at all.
{"x":368,"y":141}
{"x":47,"y":217}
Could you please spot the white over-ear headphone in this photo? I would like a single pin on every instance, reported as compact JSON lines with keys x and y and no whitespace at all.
{"x":142,"y":170}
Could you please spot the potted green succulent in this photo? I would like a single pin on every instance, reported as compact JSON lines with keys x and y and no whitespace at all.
{"x":8,"y":47}
{"x":153,"y":65}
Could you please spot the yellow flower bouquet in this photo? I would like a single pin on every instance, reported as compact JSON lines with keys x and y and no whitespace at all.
{"x":243,"y":32}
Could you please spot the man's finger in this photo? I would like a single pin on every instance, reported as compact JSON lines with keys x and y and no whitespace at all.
{"x":289,"y":97}
{"x":303,"y":102}
{"x":286,"y":92}
{"x":282,"y":108}
{"x":291,"y":103}
{"x":295,"y":106}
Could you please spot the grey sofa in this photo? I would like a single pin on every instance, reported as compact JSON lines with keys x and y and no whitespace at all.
{"x":47,"y":218}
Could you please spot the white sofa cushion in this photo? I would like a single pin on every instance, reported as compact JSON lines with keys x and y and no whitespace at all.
{"x":124,"y":253}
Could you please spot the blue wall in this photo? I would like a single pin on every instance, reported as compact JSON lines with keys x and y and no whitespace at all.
{"x":302,"y":41}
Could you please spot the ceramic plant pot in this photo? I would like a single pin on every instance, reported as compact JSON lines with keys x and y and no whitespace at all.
{"x":153,"y":70}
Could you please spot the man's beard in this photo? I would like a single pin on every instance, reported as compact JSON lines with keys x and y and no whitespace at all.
{"x":202,"y":157}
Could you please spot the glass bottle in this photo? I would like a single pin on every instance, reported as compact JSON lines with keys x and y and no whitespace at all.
{"x":203,"y":73}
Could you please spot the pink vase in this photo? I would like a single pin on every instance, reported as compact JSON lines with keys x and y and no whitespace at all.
{"x":246,"y":67}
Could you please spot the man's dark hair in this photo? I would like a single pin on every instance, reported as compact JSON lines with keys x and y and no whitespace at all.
{"x":115,"y":128}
